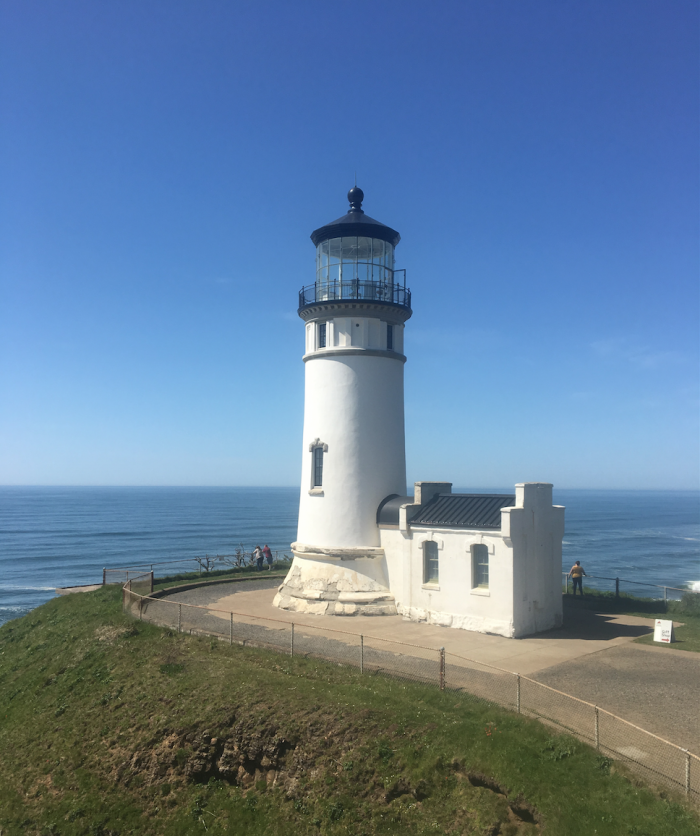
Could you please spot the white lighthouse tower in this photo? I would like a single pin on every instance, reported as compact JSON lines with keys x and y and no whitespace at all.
{"x":353,"y":449}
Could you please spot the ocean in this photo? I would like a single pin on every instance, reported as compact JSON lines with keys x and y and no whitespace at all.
{"x":65,"y":536}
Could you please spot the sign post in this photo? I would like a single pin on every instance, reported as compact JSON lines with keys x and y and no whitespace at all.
{"x":663,"y":631}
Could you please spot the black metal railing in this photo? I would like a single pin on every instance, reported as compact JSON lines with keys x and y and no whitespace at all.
{"x":670,"y":593}
{"x":389,"y":293}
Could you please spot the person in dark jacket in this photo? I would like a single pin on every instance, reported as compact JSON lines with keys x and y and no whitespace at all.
{"x":268,"y":556}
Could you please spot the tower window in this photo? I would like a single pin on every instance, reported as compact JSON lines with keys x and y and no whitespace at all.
{"x":480,"y":566}
{"x":389,"y":336}
{"x":318,"y":466}
{"x":322,"y":335}
{"x":317,"y":448}
{"x":430,"y":562}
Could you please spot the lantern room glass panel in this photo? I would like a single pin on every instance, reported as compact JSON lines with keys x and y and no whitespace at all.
{"x":355,"y":267}
{"x":334,"y":249}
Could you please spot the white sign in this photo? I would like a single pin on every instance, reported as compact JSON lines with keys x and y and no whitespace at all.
{"x":663,"y":631}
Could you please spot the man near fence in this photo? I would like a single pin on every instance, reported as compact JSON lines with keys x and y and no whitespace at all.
{"x":576,"y":572}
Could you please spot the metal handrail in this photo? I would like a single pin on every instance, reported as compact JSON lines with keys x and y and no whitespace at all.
{"x":637,"y":583}
{"x":389,"y":293}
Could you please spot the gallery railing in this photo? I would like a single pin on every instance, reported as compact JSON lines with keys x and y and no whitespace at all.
{"x":658,"y":760}
{"x":389,"y":293}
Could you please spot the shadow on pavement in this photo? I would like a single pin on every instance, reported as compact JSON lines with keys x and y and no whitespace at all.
{"x":588,"y":625}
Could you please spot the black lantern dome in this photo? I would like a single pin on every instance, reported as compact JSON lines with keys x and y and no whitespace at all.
{"x":356,"y":223}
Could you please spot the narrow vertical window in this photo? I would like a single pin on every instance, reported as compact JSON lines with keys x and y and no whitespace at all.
{"x":389,"y":336}
{"x":430,"y":562}
{"x":480,"y":566}
{"x":322,"y":335}
{"x":318,"y":467}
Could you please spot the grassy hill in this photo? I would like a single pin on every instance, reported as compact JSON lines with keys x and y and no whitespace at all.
{"x":111,"y":727}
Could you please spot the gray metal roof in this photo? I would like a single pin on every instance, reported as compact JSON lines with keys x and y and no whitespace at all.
{"x":466,"y":510}
{"x":388,"y":511}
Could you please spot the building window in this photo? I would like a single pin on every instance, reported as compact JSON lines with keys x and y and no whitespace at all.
{"x":318,"y":467}
{"x":430,"y":562}
{"x":389,"y":337}
{"x":480,"y":566}
{"x":321,"y":334}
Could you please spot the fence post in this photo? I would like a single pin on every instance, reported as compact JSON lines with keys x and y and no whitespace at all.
{"x":230,"y":630}
{"x":362,"y":654}
{"x":140,"y":609}
{"x":291,"y":643}
{"x":687,"y":771}
{"x":597,"y":729}
{"x":151,"y":589}
{"x":518,"y":693}
{"x":665,"y":598}
{"x":617,"y":587}
{"x":442,"y":668}
{"x":104,"y":576}
{"x":179,"y":618}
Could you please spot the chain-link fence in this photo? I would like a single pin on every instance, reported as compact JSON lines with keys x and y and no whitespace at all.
{"x":135,"y":591}
{"x":653,"y":757}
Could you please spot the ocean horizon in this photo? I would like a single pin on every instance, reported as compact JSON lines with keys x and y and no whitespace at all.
{"x":55,"y":536}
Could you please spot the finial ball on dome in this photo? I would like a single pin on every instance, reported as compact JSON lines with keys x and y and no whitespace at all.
{"x":356,"y":196}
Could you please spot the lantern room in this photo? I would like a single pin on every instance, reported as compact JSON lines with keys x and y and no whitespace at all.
{"x":355,"y":261}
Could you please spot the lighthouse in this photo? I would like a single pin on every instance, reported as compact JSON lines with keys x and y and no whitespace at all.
{"x":483,"y":562}
{"x":353,"y":447}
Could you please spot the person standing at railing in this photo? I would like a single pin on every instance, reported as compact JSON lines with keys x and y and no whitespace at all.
{"x":258,"y":557}
{"x":268,"y":557}
{"x":576,"y":573}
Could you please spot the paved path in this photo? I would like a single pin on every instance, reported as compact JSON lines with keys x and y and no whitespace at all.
{"x":655,"y":688}
{"x":69,"y":590}
{"x":592,"y":657}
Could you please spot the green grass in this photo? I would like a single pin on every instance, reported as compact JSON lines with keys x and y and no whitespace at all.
{"x":687,"y":610}
{"x":110,"y":726}
{"x":687,"y":635}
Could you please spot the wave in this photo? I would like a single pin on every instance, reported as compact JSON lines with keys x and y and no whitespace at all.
{"x":16,"y":588}
{"x":694,"y":586}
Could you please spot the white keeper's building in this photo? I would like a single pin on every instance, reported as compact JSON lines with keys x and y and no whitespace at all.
{"x":484,"y":562}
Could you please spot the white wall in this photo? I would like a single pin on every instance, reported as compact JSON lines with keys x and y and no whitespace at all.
{"x":536,"y":529}
{"x":354,"y":404}
{"x":452,"y":602}
{"x":357,"y":332}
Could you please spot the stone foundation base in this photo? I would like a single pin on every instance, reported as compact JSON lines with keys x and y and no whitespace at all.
{"x":342,"y":587}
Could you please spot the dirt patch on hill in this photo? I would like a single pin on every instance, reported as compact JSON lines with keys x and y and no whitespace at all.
{"x":319,"y":762}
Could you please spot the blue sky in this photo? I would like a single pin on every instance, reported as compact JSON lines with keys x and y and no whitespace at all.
{"x":163,"y":164}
